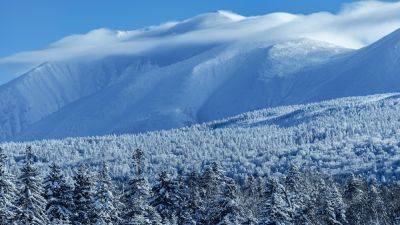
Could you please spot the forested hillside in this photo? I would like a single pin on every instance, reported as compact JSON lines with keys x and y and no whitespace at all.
{"x":352,"y":135}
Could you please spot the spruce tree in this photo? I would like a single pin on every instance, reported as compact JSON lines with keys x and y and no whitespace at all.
{"x":30,"y":202}
{"x":136,"y":209}
{"x":376,"y":212}
{"x":228,"y":209}
{"x":295,"y":192}
{"x":58,"y":195}
{"x":83,"y":198}
{"x":211,"y":185}
{"x":328,"y":204}
{"x":276,"y":210}
{"x":355,"y":197}
{"x":338,"y":204}
{"x":165,"y":196}
{"x":7,"y":192}
{"x":106,"y":204}
{"x":190,"y":195}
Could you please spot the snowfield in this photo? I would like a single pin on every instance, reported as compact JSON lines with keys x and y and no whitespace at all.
{"x":357,"y":134}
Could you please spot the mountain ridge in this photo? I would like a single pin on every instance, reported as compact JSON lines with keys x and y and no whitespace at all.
{"x":182,"y":85}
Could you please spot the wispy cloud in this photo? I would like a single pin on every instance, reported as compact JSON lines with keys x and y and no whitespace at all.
{"x":356,"y":25}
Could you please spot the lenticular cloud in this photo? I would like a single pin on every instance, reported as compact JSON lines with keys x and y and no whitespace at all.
{"x":355,"y":26}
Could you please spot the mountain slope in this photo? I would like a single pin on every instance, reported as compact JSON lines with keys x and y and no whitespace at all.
{"x":54,"y":85}
{"x":371,"y":70}
{"x":205,"y":87}
{"x":46,"y":89}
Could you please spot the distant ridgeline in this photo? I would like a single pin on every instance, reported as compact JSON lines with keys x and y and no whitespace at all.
{"x":204,"y":197}
{"x":359,"y":135}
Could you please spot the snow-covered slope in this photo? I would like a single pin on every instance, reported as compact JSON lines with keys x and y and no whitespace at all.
{"x":53,"y":85}
{"x":223,"y":81}
{"x":371,"y":70}
{"x":357,"y":134}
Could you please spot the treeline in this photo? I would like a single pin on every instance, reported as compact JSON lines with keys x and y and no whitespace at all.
{"x":197,"y":197}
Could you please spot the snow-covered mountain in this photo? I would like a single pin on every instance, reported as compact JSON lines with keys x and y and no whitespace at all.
{"x":220,"y":82}
{"x":178,"y":85}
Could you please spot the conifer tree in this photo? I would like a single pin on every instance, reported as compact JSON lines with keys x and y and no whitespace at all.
{"x":190,"y":195}
{"x":376,"y":212}
{"x":58,"y":195}
{"x":30,"y":202}
{"x":211,"y":185}
{"x":276,"y":210}
{"x":228,"y":209}
{"x":7,"y":192}
{"x":295,"y":187}
{"x":106,"y":205}
{"x":338,"y":204}
{"x":165,"y":196}
{"x":136,"y":209}
{"x":356,"y":200}
{"x":212,"y":181}
{"x":83,"y":198}
{"x":331,"y":215}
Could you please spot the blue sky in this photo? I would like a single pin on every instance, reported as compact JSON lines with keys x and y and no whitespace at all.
{"x":31,"y":25}
{"x":36,"y":31}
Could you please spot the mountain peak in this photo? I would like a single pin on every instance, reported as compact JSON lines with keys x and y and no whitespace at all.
{"x":230,"y":15}
{"x":388,"y":43}
{"x":205,"y":21}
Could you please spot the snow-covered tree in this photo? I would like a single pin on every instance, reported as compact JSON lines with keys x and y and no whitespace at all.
{"x":355,"y":197}
{"x":165,"y":196}
{"x":276,"y":210}
{"x":106,"y":204}
{"x":191,"y":203}
{"x":228,"y":210}
{"x":338,"y":204}
{"x":83,"y":198}
{"x":331,"y":207}
{"x":376,"y":208}
{"x":30,"y":202}
{"x":295,"y":186}
{"x":58,"y":195}
{"x":136,"y":209}
{"x":7,"y":192}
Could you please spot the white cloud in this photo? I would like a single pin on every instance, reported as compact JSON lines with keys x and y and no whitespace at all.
{"x":356,"y":25}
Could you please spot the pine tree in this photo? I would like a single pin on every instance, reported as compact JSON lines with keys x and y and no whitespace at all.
{"x":30,"y":202}
{"x":58,"y":195}
{"x":276,"y":210}
{"x":136,"y":209}
{"x":83,"y":198}
{"x":106,"y":204}
{"x":165,"y":196}
{"x":7,"y":192}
